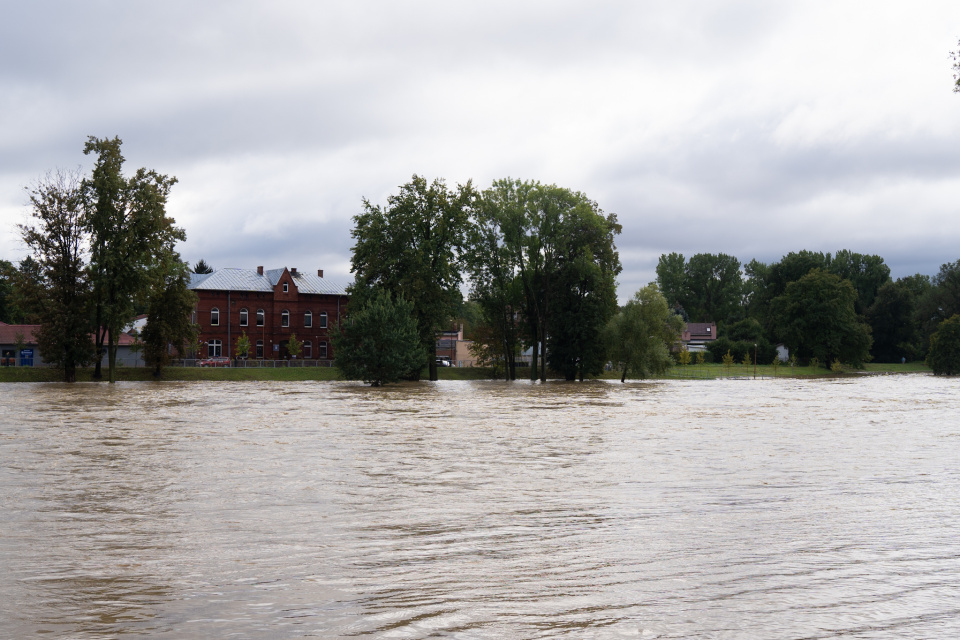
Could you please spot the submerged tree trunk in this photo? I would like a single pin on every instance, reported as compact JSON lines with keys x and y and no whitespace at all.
{"x":433,"y":361}
{"x":111,"y":356}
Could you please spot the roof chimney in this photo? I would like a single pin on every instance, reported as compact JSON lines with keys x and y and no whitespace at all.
{"x":320,"y":272}
{"x":259,"y":271}
{"x":293,"y":271}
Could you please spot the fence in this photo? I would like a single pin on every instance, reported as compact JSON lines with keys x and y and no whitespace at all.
{"x":257,"y":364}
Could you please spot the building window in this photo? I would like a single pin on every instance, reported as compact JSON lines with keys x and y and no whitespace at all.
{"x":243,"y":317}
{"x":323,"y":319}
{"x":307,"y":350}
{"x":214,"y":349}
{"x":214,"y":317}
{"x":260,"y":348}
{"x":322,"y":351}
{"x":308,"y":319}
{"x":286,"y":287}
{"x":259,"y":317}
{"x":285,"y":318}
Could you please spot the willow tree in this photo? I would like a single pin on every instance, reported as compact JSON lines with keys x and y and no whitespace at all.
{"x":410,"y":248}
{"x":639,"y":337}
{"x":129,"y":235}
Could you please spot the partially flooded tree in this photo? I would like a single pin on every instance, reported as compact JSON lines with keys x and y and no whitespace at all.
{"x":168,"y":317}
{"x":60,"y":292}
{"x":377,"y":342}
{"x":410,"y":248}
{"x":638,"y":338}
{"x":130,"y":232}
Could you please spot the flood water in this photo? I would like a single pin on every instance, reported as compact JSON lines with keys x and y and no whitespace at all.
{"x":704,"y":509}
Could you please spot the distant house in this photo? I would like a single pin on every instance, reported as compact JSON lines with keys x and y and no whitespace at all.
{"x":452,"y":348}
{"x":30,"y":356}
{"x":697,"y":334}
{"x":9,"y":355}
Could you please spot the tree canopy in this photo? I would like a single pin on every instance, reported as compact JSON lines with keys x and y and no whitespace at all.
{"x":815,"y":318}
{"x":944,"y":356}
{"x":410,"y":249}
{"x":638,"y":338}
{"x":378,"y":340}
{"x":60,"y":293}
{"x":129,"y":232}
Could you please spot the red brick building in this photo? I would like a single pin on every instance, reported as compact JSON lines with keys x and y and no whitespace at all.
{"x":269,"y":306}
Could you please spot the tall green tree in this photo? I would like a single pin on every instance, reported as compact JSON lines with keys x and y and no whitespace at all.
{"x":867,"y":273}
{"x":816,"y":318}
{"x":57,"y":239}
{"x":7,"y":309}
{"x":411,"y":249}
{"x":378,"y":340}
{"x":170,"y":304}
{"x":130,"y":231}
{"x":944,"y":356}
{"x":559,"y":246}
{"x":672,"y":278}
{"x":584,"y":291}
{"x":715,"y":284}
{"x":892,"y":318}
{"x":638,"y":338}
{"x":202,"y":267}
{"x":493,"y":270}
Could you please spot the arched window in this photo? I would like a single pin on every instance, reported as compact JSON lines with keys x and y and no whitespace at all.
{"x":308,"y":319}
{"x":322,"y":351}
{"x":323,"y":319}
{"x":307,"y":350}
{"x":259,"y":317}
{"x":243,"y":317}
{"x":214,"y":349}
{"x":214,"y":317}
{"x":285,"y":318}
{"x":260,"y":348}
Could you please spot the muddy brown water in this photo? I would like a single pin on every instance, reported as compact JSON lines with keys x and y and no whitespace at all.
{"x":709,"y":509}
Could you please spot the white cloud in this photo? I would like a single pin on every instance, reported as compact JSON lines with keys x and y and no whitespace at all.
{"x":749,"y":128}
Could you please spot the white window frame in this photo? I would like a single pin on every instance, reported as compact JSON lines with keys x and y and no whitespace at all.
{"x":285,"y":318}
{"x":286,"y":287}
{"x":214,"y":349}
{"x":244,"y":317}
{"x":215,"y":317}
{"x":307,"y":319}
{"x":259,"y":349}
{"x":323,"y":319}
{"x":322,"y":351}
{"x":261,"y":316}
{"x":307,"y":350}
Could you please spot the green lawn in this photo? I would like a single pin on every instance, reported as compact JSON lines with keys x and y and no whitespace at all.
{"x":706,"y":371}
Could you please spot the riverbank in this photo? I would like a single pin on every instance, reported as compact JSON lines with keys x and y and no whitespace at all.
{"x":296,"y":374}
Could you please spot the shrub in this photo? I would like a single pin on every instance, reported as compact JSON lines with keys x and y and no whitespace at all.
{"x":944,"y":354}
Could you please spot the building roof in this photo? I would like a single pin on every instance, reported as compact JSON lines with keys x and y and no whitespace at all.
{"x":700,"y":331}
{"x":8,"y":333}
{"x":233,"y":279}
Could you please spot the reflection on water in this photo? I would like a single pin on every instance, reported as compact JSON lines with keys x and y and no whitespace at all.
{"x":710,"y":509}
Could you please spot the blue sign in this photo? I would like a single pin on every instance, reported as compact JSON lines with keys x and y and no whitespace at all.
{"x":26,"y":357}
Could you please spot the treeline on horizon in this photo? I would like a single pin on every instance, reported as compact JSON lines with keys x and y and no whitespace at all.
{"x":814,"y":303}
{"x":541,"y":263}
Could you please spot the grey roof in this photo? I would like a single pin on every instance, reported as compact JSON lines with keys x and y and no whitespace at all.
{"x":231,"y":279}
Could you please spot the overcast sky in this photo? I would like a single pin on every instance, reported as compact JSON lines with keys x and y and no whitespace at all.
{"x":748,"y":128}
